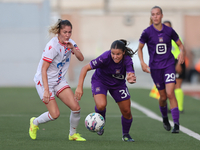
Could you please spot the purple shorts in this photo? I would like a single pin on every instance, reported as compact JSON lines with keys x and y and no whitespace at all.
{"x":163,"y":76}
{"x":119,"y":93}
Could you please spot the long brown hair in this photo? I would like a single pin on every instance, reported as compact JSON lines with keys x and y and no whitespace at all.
{"x":122,"y":44}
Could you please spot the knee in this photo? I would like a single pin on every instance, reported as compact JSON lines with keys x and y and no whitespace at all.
{"x":163,"y":97}
{"x":76,"y":108}
{"x":55,"y":114}
{"x":101,"y":107}
{"x":127,"y":114}
{"x":171,"y":95}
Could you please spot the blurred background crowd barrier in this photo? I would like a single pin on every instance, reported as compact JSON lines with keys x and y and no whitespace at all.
{"x":96,"y":24}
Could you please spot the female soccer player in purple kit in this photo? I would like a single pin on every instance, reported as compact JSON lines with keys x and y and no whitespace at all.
{"x":161,"y":64}
{"x":111,"y":69}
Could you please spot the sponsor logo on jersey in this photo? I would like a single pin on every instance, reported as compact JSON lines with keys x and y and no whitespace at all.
{"x":60,"y":64}
{"x":118,"y":76}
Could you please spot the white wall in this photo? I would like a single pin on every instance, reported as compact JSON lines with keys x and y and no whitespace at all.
{"x":23,"y":35}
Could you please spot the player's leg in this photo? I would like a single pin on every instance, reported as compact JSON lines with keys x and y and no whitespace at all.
{"x":173,"y":106}
{"x":126,"y":119}
{"x":170,"y":80}
{"x":164,"y":109}
{"x":100,"y":107}
{"x":179,"y":94}
{"x":66,"y":95}
{"x":158,"y":78}
{"x":99,"y":92}
{"x":50,"y":115}
{"x":180,"y":75}
{"x":100,"y":104}
{"x":122,"y":98}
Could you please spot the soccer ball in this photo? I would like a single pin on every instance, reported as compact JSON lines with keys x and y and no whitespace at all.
{"x":94,"y":122}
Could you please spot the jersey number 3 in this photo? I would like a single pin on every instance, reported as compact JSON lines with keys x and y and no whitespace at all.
{"x":124,"y":93}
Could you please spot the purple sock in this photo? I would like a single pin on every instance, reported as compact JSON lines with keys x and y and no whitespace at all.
{"x":175,"y":115}
{"x":163,"y":111}
{"x":126,"y":124}
{"x":103,"y":113}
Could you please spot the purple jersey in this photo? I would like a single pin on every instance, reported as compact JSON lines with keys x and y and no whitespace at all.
{"x":159,"y":46}
{"x":110,"y":73}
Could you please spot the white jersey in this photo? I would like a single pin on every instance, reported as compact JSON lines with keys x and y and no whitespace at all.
{"x":59,"y":56}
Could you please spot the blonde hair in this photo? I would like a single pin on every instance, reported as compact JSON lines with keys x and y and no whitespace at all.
{"x":55,"y":29}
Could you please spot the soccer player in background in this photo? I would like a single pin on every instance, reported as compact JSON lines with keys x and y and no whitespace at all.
{"x":111,"y":69}
{"x":180,"y":72}
{"x":50,"y":79}
{"x":161,"y":64}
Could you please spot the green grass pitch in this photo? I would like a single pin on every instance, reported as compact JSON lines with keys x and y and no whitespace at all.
{"x":18,"y":105}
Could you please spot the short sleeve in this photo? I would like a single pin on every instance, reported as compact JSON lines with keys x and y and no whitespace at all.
{"x":144,"y":37}
{"x":129,"y":65}
{"x":99,"y":61}
{"x":49,"y":53}
{"x":174,"y":36}
{"x":75,"y":45}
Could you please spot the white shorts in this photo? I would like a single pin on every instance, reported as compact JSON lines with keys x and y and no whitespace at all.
{"x":53,"y":90}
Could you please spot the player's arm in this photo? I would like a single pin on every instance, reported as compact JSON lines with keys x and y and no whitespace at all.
{"x":75,"y":50}
{"x":79,"y":89}
{"x":144,"y":66}
{"x":78,"y":54}
{"x":181,"y":56}
{"x":46,"y":95}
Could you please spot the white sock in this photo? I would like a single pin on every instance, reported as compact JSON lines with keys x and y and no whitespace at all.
{"x":74,"y":120}
{"x":43,"y":118}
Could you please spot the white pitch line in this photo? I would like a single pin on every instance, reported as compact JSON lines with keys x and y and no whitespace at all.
{"x":152,"y":115}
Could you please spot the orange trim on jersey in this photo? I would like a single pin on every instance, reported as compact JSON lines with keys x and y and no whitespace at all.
{"x":65,"y":87}
{"x":47,"y":59}
{"x":51,"y":98}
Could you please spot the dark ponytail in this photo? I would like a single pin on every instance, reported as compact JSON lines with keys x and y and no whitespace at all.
{"x":122,"y":44}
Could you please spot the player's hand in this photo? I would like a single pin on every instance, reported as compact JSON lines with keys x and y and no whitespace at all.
{"x":131,"y":78}
{"x":145,"y":67}
{"x":46,"y":97}
{"x":69,"y":45}
{"x":181,"y":58}
{"x":78,"y":93}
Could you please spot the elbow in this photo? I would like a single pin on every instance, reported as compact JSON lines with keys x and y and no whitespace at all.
{"x":81,"y":58}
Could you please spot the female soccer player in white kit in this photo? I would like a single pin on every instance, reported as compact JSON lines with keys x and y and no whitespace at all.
{"x":50,"y":79}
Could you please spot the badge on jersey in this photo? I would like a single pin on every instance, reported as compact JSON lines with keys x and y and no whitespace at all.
{"x":117,"y":71}
{"x":157,"y":85}
{"x":97,"y":89}
{"x":160,"y":39}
